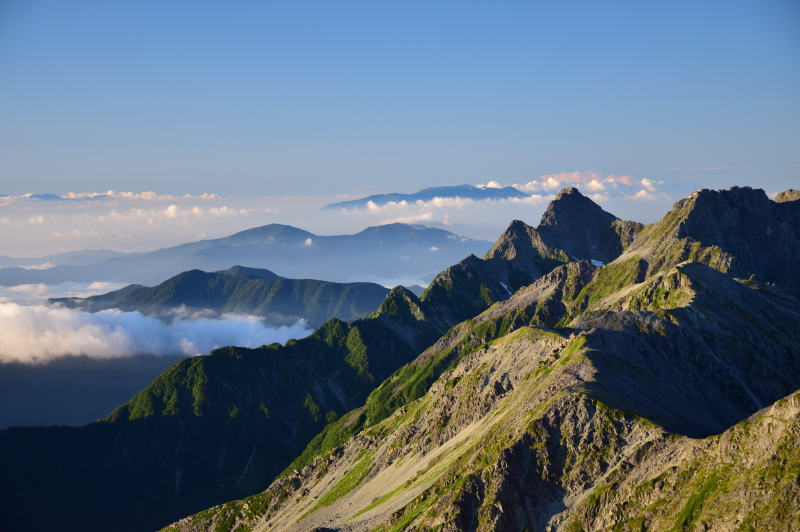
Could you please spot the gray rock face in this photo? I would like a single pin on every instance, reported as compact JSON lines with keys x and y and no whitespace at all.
{"x":516,"y":259}
{"x":522,"y":247}
{"x":739,"y":231}
{"x":579,"y":226}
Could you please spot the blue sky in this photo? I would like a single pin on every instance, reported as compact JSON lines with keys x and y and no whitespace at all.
{"x":350,"y":97}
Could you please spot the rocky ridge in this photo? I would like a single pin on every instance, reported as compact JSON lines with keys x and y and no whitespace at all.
{"x":594,"y":398}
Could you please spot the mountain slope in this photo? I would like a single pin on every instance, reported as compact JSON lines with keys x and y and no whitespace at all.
{"x":243,"y":291}
{"x":528,"y":427}
{"x":516,"y":259}
{"x":387,"y":254}
{"x":576,"y":404}
{"x":208,"y":429}
{"x":222,"y":426}
{"x":73,"y":258}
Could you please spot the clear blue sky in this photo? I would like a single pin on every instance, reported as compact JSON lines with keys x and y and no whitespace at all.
{"x":337,"y":96}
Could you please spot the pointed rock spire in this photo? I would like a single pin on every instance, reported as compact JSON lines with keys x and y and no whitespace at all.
{"x":578,"y":225}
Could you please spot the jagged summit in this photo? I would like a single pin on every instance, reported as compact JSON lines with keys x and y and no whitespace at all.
{"x":568,"y":203}
{"x":578,"y":225}
{"x":739,"y":231}
{"x":522,"y":245}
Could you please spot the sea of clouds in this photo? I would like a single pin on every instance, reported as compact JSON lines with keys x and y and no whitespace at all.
{"x":37,"y":225}
{"x":32,"y":225}
{"x":38,"y":333}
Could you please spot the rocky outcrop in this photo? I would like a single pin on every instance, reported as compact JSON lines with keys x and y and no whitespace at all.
{"x":522,"y":247}
{"x":787,"y":196}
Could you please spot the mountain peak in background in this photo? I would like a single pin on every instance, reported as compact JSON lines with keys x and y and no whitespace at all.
{"x":388,"y":254}
{"x":270,"y":232}
{"x":427,"y":194}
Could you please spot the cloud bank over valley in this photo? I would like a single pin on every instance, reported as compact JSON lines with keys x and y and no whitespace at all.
{"x":38,"y":333}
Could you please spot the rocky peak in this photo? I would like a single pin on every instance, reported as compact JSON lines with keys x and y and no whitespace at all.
{"x":738,"y":230}
{"x":522,"y":243}
{"x":578,"y":225}
{"x":401,"y":303}
{"x":709,"y":210}
{"x":570,"y":203}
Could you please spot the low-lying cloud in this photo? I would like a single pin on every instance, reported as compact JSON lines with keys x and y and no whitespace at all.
{"x":38,"y":333}
{"x":38,"y":225}
{"x":36,"y":293}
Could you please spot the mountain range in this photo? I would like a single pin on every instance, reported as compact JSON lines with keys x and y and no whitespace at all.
{"x":428,"y":194}
{"x":532,"y":389}
{"x":240,"y":290}
{"x":384,"y":254}
{"x":655,"y":392}
{"x":221,"y":426}
{"x":72,"y":258}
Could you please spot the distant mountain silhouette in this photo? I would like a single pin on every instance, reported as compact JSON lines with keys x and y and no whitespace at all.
{"x":427,"y":194}
{"x":242,"y":290}
{"x":387,"y":254}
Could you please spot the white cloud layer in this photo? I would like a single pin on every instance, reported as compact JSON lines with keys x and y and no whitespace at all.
{"x":128,"y":221}
{"x":39,"y":333}
{"x":143,"y":221}
{"x":588,"y":180}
